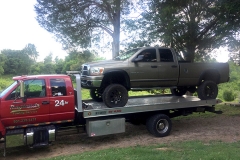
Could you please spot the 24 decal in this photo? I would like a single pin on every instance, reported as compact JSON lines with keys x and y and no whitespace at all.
{"x":59,"y":103}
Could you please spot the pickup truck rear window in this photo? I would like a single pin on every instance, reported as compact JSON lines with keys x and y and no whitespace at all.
{"x":58,"y":87}
{"x":166,"y":55}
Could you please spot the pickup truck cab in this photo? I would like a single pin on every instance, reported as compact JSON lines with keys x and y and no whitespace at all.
{"x":148,"y":68}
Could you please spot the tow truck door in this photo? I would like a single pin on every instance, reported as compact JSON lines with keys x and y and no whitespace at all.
{"x":15,"y":112}
{"x":62,"y":106}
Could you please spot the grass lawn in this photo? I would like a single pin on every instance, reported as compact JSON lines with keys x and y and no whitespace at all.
{"x":187,"y":150}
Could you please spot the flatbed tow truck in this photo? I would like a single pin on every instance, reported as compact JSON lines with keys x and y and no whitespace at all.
{"x":39,"y":115}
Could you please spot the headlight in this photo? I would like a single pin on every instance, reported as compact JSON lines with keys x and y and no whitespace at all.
{"x":95,"y":71}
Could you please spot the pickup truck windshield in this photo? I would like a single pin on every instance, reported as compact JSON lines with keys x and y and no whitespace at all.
{"x":126,"y":55}
{"x":8,"y":89}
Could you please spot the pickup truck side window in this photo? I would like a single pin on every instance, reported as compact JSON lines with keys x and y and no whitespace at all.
{"x":148,"y":55}
{"x":165,"y":55}
{"x":58,"y":87}
{"x":33,"y":88}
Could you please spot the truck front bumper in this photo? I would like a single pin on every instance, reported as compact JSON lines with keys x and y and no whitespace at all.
{"x":91,"y":82}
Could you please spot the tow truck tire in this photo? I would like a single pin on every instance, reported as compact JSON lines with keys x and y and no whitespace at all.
{"x":159,"y":125}
{"x":207,"y":90}
{"x":178,"y":91}
{"x":95,"y":95}
{"x":115,"y":95}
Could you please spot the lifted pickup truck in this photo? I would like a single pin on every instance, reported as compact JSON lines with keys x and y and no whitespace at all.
{"x":39,"y":106}
{"x":148,"y":68}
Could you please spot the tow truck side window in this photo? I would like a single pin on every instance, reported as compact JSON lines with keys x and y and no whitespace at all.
{"x":58,"y":87}
{"x":33,"y":88}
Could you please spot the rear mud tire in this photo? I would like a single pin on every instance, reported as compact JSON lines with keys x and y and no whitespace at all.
{"x":95,"y":95}
{"x":159,"y":125}
{"x":115,"y":95}
{"x":207,"y":90}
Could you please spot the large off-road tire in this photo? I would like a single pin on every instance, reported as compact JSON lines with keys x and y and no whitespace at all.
{"x":115,"y":95}
{"x":207,"y":90}
{"x":159,"y":125}
{"x":178,"y":91}
{"x":96,"y":95}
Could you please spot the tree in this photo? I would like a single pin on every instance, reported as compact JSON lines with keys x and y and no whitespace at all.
{"x":17,"y":62}
{"x":193,"y":27}
{"x":2,"y":62}
{"x":31,"y":51}
{"x":75,"y":59}
{"x":234,"y":49}
{"x":76,"y":22}
{"x":59,"y":64}
{"x":49,"y":66}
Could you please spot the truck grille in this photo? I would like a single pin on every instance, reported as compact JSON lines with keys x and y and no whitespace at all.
{"x":84,"y":70}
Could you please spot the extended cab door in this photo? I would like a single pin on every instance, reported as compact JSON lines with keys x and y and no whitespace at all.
{"x":61,"y":99}
{"x":15,"y":112}
{"x":168,"y":68}
{"x":144,"y":69}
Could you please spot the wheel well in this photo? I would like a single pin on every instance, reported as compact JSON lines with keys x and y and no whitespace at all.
{"x":210,"y":75}
{"x":118,"y":77}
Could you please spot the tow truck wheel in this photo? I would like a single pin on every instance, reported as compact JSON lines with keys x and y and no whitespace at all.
{"x":178,"y":91}
{"x":115,"y":95}
{"x":94,"y":93}
{"x":207,"y":90}
{"x":159,"y":125}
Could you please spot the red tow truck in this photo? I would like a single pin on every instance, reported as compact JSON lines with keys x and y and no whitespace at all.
{"x":38,"y":106}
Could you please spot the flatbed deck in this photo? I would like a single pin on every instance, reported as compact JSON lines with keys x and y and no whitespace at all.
{"x":145,"y":104}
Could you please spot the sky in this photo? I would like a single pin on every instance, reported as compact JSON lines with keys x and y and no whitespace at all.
{"x":18,"y":27}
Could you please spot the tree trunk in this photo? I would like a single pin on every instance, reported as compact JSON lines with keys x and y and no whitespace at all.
{"x":190,"y":53}
{"x":116,"y":30}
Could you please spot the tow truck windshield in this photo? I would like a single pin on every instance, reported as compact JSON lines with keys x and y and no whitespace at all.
{"x":8,"y":89}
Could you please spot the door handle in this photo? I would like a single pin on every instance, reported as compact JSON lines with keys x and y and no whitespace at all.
{"x":45,"y":102}
{"x":174,"y":66}
{"x":153,"y":66}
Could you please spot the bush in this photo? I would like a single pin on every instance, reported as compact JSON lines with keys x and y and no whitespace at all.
{"x":228,"y":95}
{"x":4,"y":83}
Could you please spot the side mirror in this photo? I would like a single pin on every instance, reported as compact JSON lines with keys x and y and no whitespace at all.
{"x":138,"y":58}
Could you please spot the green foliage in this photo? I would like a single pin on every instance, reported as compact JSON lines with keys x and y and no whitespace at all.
{"x":159,"y":91}
{"x":31,"y":51}
{"x":2,"y":62}
{"x":16,"y":61}
{"x":233,"y":85}
{"x":75,"y":59}
{"x":78,"y":23}
{"x":228,"y":95}
{"x":176,"y":150}
{"x":5,"y":81}
{"x":191,"y":27}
